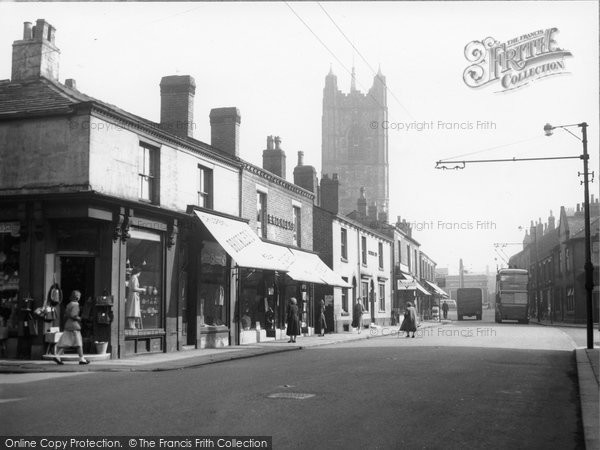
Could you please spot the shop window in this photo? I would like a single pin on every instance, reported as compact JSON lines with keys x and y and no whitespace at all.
{"x":145,"y":289}
{"x":364,"y":292}
{"x":148,"y":173}
{"x":9,"y":277}
{"x":297,"y":226}
{"x":344,"y":243}
{"x":381,"y":297}
{"x":212,"y":295}
{"x":261,"y":214}
{"x":363,"y":250}
{"x":205,"y":187}
{"x":260,"y":303}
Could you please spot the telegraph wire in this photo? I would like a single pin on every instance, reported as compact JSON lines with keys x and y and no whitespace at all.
{"x":332,"y":53}
{"x":493,"y":148}
{"x":363,"y":58}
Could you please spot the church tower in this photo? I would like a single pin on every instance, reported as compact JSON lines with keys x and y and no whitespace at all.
{"x":354,"y":142}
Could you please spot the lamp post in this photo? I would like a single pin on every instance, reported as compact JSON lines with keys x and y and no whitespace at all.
{"x":589,"y":267}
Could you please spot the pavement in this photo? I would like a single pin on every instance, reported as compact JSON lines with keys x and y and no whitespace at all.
{"x":587,"y":364}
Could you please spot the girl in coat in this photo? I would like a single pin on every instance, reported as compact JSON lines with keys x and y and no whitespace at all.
{"x":71,"y":336}
{"x":293,"y":322}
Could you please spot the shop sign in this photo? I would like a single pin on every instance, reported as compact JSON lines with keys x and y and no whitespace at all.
{"x":279,"y":222}
{"x":10,"y":227}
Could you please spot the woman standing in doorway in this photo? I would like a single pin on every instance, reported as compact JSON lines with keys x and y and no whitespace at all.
{"x":293,"y":322}
{"x":71,"y":336}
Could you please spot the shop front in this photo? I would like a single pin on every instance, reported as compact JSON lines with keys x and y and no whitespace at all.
{"x":121,"y":264}
{"x":410,"y":290}
{"x":239,"y":292}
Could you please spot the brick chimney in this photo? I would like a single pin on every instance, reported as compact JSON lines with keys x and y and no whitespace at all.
{"x":177,"y":104}
{"x":305,"y":176}
{"x":373,"y":211}
{"x":274,"y":157}
{"x":330,"y":193}
{"x":361,"y":204}
{"x":382,"y":216}
{"x":35,"y":55}
{"x":225,"y":129}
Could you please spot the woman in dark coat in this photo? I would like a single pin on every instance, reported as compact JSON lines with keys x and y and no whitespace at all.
{"x":357,"y":312}
{"x":293,"y":322}
{"x":322,"y":322}
{"x":409,"y":324}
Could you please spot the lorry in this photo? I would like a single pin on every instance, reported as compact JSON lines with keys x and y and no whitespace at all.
{"x":469,"y":303}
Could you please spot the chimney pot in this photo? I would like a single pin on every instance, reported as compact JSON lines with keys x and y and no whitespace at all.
{"x":35,"y":56}
{"x":27,"y":31}
{"x":71,"y":83}
{"x":300,"y":158}
{"x":274,"y":158}
{"x":335,"y":177}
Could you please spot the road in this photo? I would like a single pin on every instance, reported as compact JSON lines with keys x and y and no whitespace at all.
{"x":470,"y":384}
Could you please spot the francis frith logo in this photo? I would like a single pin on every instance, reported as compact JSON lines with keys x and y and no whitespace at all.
{"x":514,"y":63}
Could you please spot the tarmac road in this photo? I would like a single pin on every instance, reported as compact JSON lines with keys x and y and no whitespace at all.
{"x":517,"y":388}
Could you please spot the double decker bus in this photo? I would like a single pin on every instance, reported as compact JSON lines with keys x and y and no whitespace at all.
{"x":512,"y":300}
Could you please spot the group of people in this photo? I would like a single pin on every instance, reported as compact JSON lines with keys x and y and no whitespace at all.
{"x":293,"y":320}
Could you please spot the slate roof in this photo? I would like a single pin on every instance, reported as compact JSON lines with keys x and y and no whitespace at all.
{"x":43,"y":95}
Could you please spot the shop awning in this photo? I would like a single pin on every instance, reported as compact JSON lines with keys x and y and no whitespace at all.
{"x":243,"y":244}
{"x":310,"y":268}
{"x":412,"y":285}
{"x":438,"y":291}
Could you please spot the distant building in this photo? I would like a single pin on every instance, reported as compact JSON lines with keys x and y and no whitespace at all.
{"x":555,"y":258}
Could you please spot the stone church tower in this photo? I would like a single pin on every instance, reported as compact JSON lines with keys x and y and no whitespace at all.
{"x":355,"y":144}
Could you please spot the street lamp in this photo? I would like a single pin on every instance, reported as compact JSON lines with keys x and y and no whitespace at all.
{"x":589,"y":267}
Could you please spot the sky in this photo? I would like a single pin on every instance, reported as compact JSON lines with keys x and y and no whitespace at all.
{"x":270,"y":60}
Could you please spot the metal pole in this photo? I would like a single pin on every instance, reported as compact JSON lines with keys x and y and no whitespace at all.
{"x":589,"y":267}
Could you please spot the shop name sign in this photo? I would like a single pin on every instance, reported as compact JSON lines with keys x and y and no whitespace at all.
{"x":10,"y":227}
{"x":516,"y":62}
{"x":279,"y":222}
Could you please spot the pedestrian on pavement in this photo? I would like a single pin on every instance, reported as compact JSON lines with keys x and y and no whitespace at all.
{"x":357,"y":313}
{"x":293,"y":322}
{"x":409,"y":324}
{"x":322,"y":323}
{"x":445,"y":309}
{"x":71,"y":336}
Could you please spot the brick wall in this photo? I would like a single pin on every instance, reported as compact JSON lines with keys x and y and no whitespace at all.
{"x":280,"y":203}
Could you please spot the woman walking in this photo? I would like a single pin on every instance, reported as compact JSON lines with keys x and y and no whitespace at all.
{"x":293,"y":322}
{"x":409,"y":324}
{"x":71,"y":336}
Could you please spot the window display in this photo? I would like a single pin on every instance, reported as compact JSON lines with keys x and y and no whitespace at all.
{"x":212,"y":295}
{"x":144,"y":303}
{"x":9,"y":278}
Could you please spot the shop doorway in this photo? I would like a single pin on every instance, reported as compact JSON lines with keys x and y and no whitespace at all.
{"x":77,"y":273}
